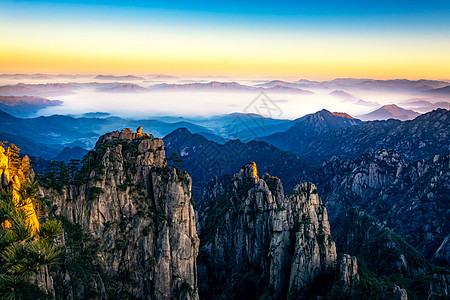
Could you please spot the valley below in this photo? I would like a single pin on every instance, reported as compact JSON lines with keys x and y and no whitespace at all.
{"x":231,"y":206}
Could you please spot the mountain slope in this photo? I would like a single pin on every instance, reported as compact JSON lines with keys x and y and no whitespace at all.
{"x":257,"y":242}
{"x":25,"y":105}
{"x":390,"y":112}
{"x":409,"y":198}
{"x":129,"y":224}
{"x":421,"y":138}
{"x":308,"y":127}
{"x":67,"y":131}
{"x":71,"y":153}
{"x":204,"y":159}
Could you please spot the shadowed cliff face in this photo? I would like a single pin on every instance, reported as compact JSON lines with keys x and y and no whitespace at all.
{"x":136,"y":213}
{"x":259,"y":241}
{"x":410,"y":198}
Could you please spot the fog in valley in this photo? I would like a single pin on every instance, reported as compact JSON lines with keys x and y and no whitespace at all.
{"x":158,"y":96}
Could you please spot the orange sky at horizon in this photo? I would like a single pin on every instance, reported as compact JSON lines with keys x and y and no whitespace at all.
{"x":115,"y":48}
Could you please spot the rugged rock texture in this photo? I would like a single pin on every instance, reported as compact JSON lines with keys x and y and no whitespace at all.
{"x":409,"y":198}
{"x":394,"y":292}
{"x":421,"y":138}
{"x":206,"y":159}
{"x":129,"y":224}
{"x":384,"y":251}
{"x":439,"y":287}
{"x":14,"y":171}
{"x":258,"y":242}
{"x":307,"y":127}
{"x":348,"y":272}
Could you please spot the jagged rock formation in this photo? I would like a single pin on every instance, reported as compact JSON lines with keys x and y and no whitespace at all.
{"x":409,"y":198}
{"x":394,"y":292}
{"x":421,"y":138}
{"x":206,"y":159}
{"x":259,"y":241}
{"x":348,"y":272}
{"x":384,"y":251}
{"x":14,"y":171}
{"x":439,"y":287}
{"x":130,"y":217}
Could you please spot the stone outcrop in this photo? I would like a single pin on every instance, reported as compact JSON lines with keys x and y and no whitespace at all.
{"x":15,"y":171}
{"x":394,"y":292}
{"x":410,"y":198}
{"x":384,"y":251}
{"x":439,"y":286}
{"x":258,"y":242}
{"x":348,"y":272}
{"x":131,"y":214}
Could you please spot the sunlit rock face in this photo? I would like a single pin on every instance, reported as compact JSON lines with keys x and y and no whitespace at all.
{"x":259,"y":241}
{"x":137,"y":213}
{"x":15,"y":171}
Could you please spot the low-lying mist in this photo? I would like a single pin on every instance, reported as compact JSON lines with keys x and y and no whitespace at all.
{"x":204,"y":104}
{"x":138,"y":99}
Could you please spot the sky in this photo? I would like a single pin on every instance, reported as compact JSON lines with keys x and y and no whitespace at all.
{"x":300,"y":39}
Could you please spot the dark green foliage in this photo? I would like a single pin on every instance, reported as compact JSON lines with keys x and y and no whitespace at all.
{"x":174,"y":161}
{"x":95,"y":192}
{"x":182,"y":176}
{"x":56,"y":176}
{"x":247,"y":286}
{"x":129,"y":147}
{"x":80,"y":261}
{"x":369,"y":287}
{"x":23,"y":252}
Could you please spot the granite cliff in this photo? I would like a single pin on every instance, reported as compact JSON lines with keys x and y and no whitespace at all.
{"x":129,"y":224}
{"x":259,"y":241}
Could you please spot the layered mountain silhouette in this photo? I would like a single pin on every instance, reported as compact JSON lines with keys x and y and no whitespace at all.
{"x":391,"y":111}
{"x":308,"y":127}
{"x":420,"y":138}
{"x":205,"y":159}
{"x":47,"y":136}
{"x":25,"y":105}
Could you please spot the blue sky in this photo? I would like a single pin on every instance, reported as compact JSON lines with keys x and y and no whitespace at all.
{"x":408,"y":35}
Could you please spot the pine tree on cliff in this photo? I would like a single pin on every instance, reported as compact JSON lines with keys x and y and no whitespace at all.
{"x":23,"y":251}
{"x":25,"y":245}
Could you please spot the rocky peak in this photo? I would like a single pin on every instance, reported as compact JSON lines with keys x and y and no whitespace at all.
{"x":348,"y":271}
{"x":137,"y":212}
{"x":439,"y":286}
{"x":248,"y":172}
{"x":253,"y":229}
{"x":124,"y":134}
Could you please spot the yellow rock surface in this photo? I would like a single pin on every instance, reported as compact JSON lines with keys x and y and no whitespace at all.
{"x":17,"y":177}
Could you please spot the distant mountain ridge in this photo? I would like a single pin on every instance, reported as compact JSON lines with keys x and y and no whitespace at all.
{"x":230,"y":86}
{"x":48,"y":89}
{"x":309,"y":126}
{"x":420,"y":138}
{"x":25,"y":105}
{"x":445,"y":91}
{"x":124,"y":88}
{"x":204,"y":159}
{"x":71,"y":153}
{"x":55,"y":132}
{"x":113,"y":77}
{"x":391,"y":111}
